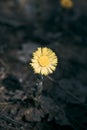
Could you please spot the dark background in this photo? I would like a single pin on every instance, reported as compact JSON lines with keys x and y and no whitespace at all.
{"x":26,"y":25}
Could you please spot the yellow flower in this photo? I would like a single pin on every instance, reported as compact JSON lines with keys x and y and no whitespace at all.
{"x":66,"y":3}
{"x":44,"y":61}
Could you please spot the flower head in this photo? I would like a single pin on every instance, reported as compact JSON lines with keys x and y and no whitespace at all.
{"x":66,"y":3}
{"x":44,"y":61}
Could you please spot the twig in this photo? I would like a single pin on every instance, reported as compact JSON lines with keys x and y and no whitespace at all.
{"x":69,"y":93}
{"x":66,"y":91}
{"x":7,"y":118}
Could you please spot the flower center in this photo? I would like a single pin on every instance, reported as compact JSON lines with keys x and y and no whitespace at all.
{"x":43,"y":61}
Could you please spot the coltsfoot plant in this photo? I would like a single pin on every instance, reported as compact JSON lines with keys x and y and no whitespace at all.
{"x":44,"y":61}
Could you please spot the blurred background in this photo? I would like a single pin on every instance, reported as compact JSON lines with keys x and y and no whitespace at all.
{"x":60,"y":25}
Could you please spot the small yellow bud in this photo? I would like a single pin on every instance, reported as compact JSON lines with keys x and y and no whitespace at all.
{"x":67,"y":3}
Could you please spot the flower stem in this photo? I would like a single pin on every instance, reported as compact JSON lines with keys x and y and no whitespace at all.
{"x":39,"y":90}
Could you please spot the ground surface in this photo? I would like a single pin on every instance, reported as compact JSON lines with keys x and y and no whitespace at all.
{"x":63,"y":102}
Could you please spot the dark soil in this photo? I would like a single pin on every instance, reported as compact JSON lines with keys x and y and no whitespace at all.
{"x":63,"y":102}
